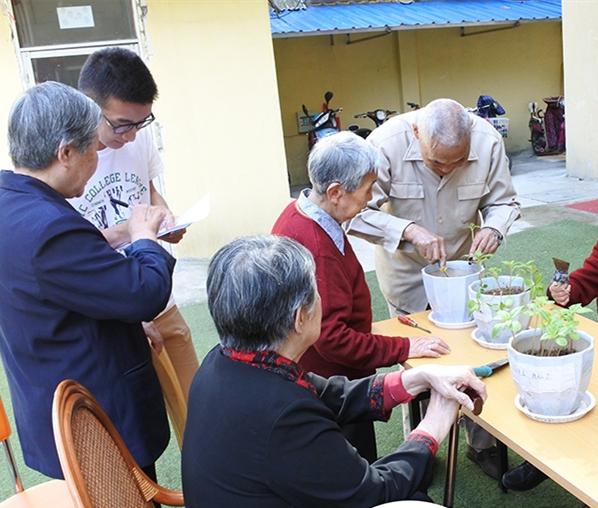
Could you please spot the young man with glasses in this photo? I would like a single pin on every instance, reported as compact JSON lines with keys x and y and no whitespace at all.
{"x":128,"y":162}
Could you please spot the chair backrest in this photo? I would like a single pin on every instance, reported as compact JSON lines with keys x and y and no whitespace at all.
{"x":97,"y":465}
{"x":174,"y":397}
{"x":5,"y":432}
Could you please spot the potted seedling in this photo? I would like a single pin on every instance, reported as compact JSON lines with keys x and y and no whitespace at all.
{"x":509,"y":286}
{"x":446,"y":291}
{"x":551,"y":362}
{"x":447,"y":288}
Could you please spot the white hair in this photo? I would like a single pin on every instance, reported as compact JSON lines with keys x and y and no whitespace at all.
{"x":343,"y":158}
{"x":444,"y":122}
{"x":255,"y":286}
{"x":47,"y":117}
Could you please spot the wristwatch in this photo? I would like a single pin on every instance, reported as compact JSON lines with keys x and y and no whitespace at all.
{"x":499,"y":237}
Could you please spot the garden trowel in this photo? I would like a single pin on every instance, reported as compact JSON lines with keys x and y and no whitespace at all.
{"x":561,"y":273}
{"x":487,"y":369}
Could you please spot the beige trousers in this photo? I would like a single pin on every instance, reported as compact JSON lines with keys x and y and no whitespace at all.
{"x":175,"y":365}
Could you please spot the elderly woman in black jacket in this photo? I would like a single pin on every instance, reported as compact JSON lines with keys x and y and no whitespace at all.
{"x":261,"y":432}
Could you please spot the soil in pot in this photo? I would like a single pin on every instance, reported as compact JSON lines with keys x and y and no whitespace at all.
{"x":504,"y":291}
{"x":450,"y":272}
{"x":550,"y":352}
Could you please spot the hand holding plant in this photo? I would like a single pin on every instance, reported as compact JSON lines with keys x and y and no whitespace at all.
{"x":486,"y":240}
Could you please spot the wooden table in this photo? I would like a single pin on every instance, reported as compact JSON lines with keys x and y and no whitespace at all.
{"x":566,"y":452}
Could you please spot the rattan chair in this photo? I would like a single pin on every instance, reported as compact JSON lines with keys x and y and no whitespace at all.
{"x":53,"y":493}
{"x":99,"y":469}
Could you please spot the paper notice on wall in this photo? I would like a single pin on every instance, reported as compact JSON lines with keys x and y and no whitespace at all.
{"x":75,"y":17}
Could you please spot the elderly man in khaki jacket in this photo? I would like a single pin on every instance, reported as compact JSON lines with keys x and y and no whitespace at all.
{"x":443,"y":168}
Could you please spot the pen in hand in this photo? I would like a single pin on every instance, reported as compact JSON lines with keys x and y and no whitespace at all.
{"x":119,"y":202}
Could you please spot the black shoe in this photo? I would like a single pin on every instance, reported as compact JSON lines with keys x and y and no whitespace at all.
{"x":523,"y":477}
{"x":487,"y":459}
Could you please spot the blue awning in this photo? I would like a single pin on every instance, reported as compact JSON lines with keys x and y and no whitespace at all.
{"x":346,"y":18}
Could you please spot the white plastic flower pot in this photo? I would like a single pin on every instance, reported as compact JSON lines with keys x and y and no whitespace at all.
{"x":447,"y":295}
{"x":550,"y":385}
{"x":484,"y":319}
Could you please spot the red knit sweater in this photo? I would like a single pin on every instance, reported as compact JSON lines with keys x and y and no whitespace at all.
{"x":584,"y":280}
{"x":346,"y":345}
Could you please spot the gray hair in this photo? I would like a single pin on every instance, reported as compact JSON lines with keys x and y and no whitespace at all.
{"x":444,"y":122}
{"x":343,"y":158}
{"x":255,"y":286}
{"x":46,"y":118}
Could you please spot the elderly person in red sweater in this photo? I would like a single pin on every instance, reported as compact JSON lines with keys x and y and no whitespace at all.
{"x":342,"y":171}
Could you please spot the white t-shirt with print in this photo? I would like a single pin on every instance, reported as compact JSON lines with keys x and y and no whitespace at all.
{"x":123,"y":174}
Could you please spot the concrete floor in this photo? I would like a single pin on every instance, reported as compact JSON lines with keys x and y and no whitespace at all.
{"x":541,"y":183}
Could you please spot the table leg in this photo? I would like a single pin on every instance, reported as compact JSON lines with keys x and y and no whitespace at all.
{"x":503,"y":461}
{"x":451,"y":466}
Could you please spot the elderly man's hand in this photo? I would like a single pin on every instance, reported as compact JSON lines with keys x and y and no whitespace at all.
{"x":431,"y":347}
{"x":486,"y":240}
{"x":447,"y":380}
{"x":428,"y":245}
{"x":561,"y":293}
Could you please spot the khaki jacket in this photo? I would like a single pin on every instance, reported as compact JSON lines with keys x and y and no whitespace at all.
{"x":407,"y":191}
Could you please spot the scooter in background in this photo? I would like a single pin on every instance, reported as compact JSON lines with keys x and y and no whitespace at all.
{"x":547,"y":129}
{"x":536,"y":128}
{"x":490,"y":109}
{"x":322,"y":124}
{"x":378,"y":116}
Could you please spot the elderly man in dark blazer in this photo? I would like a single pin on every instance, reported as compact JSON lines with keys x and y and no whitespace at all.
{"x":71,"y":305}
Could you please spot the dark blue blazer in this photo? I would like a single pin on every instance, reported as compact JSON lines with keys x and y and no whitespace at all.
{"x":71,"y":307}
{"x":254,"y":439}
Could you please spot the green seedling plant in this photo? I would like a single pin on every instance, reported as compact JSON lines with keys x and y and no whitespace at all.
{"x":528,"y":272}
{"x":532,"y":281}
{"x":558,"y":326}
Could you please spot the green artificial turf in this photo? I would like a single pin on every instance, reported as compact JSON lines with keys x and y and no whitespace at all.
{"x":571,"y":241}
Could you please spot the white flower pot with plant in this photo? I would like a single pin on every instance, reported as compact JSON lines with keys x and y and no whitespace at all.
{"x":446,"y":291}
{"x":552,"y":363}
{"x":494,"y":292}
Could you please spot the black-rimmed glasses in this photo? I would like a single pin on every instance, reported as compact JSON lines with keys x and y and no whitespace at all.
{"x":127,"y":127}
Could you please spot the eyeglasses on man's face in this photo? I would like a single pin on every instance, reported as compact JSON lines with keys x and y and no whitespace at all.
{"x":127,"y":127}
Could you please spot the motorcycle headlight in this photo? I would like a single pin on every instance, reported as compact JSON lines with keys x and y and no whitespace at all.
{"x":380,"y":114}
{"x":324,"y":118}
